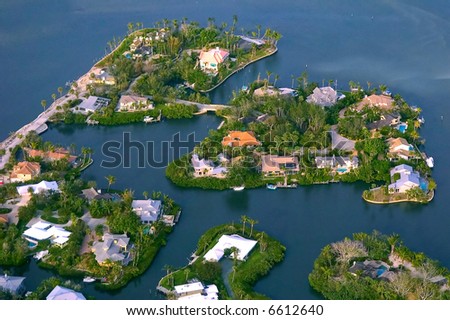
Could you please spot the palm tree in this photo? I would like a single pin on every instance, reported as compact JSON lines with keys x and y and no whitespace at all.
{"x":276,"y":79}
{"x":252,"y":222}
{"x":235,"y":20}
{"x":44,"y":104}
{"x":145,"y":194}
{"x":111,"y":180}
{"x":127,"y":196}
{"x":258,"y":27}
{"x":369,"y":84}
{"x":262,"y":239}
{"x":186,"y":273}
{"x":60,"y":90}
{"x":130,"y":27}
{"x":393,"y":240}
{"x":54,"y":96}
{"x":244,"y":219}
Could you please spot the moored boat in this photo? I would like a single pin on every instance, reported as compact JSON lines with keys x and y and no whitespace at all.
{"x":89,"y":279}
{"x":430,"y":162}
{"x":240,"y":188}
{"x":271,"y":187}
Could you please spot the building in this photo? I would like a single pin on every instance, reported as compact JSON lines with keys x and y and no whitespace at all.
{"x":197,"y":291}
{"x":324,"y":97}
{"x":405,"y":178}
{"x":41,"y":187}
{"x":380,"y":101}
{"x":210,"y":60}
{"x":206,"y":168}
{"x":52,"y":155}
{"x":91,"y":104}
{"x":13,"y":285}
{"x":62,"y":293}
{"x":243,"y":245}
{"x":373,"y":269}
{"x":148,"y":210}
{"x":340,"y":164}
{"x":104,"y":77}
{"x":387,"y":120}
{"x":41,"y":231}
{"x":240,"y":139}
{"x":25,"y":171}
{"x":114,"y":247}
{"x":134,"y":103}
{"x":189,"y":289}
{"x":272,"y":91}
{"x":279,"y":165}
{"x":400,"y":148}
{"x":93,"y":194}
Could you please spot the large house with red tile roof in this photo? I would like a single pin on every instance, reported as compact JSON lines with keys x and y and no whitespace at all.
{"x":25,"y":171}
{"x":210,"y":60}
{"x":55,"y":155}
{"x":240,"y":139}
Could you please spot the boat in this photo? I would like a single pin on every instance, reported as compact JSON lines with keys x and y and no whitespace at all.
{"x":39,"y":255}
{"x":89,"y":279}
{"x":421,"y":120}
{"x":271,"y":187}
{"x":430,"y":162}
{"x":240,"y":188}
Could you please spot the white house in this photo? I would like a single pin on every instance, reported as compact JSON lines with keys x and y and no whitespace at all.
{"x":324,"y":97}
{"x":133,"y":103}
{"x":409,"y":179}
{"x":340,"y":164}
{"x":400,"y":148}
{"x":191,"y":292}
{"x":45,"y":231}
{"x":189,"y":289}
{"x":13,"y":285}
{"x":43,"y":186}
{"x":62,"y":293}
{"x":148,"y":210}
{"x":243,"y":245}
{"x":91,"y":104}
{"x":206,"y":168}
{"x":210,"y":60}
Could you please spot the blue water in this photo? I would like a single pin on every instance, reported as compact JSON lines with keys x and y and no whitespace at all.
{"x":402,"y":128}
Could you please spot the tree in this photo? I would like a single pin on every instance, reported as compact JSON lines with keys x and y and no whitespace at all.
{"x":44,"y":104}
{"x":111,"y":180}
{"x":244,"y":219}
{"x":54,"y":96}
{"x":276,"y":79}
{"x":262,"y":239}
{"x":186,"y":271}
{"x":252,"y":222}
{"x":60,"y":90}
{"x":393,"y":240}
{"x":348,"y":249}
{"x":145,"y":194}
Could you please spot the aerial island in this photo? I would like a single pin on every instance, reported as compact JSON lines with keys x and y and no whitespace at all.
{"x":270,"y":137}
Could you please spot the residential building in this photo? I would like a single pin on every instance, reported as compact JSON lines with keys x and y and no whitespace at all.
{"x":13,"y":285}
{"x":402,"y":168}
{"x":197,"y":291}
{"x":400,"y":148}
{"x":387,"y":120}
{"x":272,"y":91}
{"x":104,"y":77}
{"x":206,"y":168}
{"x":240,"y":139}
{"x":279,"y":165}
{"x":51,"y":155}
{"x":381,"y":101}
{"x":373,"y":269}
{"x":148,"y":210}
{"x":25,"y":171}
{"x":243,"y":245}
{"x":324,"y":97}
{"x":210,"y":60}
{"x":134,"y":103}
{"x":112,"y":248}
{"x":41,"y":187}
{"x":41,"y":231}
{"x":62,"y":293}
{"x":93,"y":194}
{"x":91,"y":104}
{"x":340,"y":164}
{"x":404,"y":179}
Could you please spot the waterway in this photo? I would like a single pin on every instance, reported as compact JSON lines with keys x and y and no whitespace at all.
{"x":403,"y":44}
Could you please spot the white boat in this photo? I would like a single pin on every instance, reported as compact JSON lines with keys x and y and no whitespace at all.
{"x":240,"y":188}
{"x":421,"y":120}
{"x":271,"y":187}
{"x":39,"y":255}
{"x":430,"y":162}
{"x":89,"y":279}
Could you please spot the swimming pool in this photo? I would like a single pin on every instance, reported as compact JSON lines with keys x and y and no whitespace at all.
{"x":32,"y":245}
{"x":402,"y":127}
{"x":341,"y":170}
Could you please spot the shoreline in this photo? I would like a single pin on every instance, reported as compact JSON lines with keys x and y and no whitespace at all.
{"x":401,"y":200}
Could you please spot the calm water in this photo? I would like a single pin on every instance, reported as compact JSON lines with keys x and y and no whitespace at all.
{"x":403,"y":44}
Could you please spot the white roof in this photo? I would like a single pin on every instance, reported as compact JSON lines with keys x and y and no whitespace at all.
{"x":62,"y":293}
{"x":43,"y":231}
{"x":209,"y":293}
{"x":61,"y":240}
{"x":93,"y":103}
{"x":188,"y":287}
{"x":198,"y":163}
{"x":228,"y":241}
{"x":40,"y":187}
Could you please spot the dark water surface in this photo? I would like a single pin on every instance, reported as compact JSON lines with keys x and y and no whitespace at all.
{"x":403,"y":44}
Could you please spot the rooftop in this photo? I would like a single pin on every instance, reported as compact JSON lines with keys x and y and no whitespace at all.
{"x":243,"y":245}
{"x":62,"y":293}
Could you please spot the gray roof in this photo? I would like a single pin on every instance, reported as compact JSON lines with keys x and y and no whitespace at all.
{"x":385,"y":122}
{"x":372,"y":268}
{"x":11,"y":284}
{"x":111,"y":248}
{"x":62,"y":293}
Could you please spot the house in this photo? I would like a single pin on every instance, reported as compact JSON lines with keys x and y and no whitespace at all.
{"x":134,"y":103}
{"x":51,"y":155}
{"x":43,"y":186}
{"x":104,"y":77}
{"x":324,"y":97}
{"x":197,"y":291}
{"x":114,"y":247}
{"x":148,"y":210}
{"x":240,"y":139}
{"x":62,"y":293}
{"x":189,"y":289}
{"x":25,"y":171}
{"x":13,"y":285}
{"x":373,"y":269}
{"x":408,"y":179}
{"x":210,"y":60}
{"x":400,"y":148}
{"x":340,"y":164}
{"x":91,"y":104}
{"x":278,"y":165}
{"x":243,"y":245}
{"x":272,"y":91}
{"x":381,"y":101}
{"x":93,"y":194}
{"x":206,"y":168}
{"x":41,"y":231}
{"x":387,"y":120}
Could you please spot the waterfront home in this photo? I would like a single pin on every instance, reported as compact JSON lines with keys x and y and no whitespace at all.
{"x":279,"y":165}
{"x":93,"y":194}
{"x":91,"y":104}
{"x":13,"y":285}
{"x":25,"y":171}
{"x":399,"y":148}
{"x":133,"y":103}
{"x":210,"y":60}
{"x":196,"y":291}
{"x":104,"y":77}
{"x":62,"y":293}
{"x":112,"y":248}
{"x":206,"y":168}
{"x":243,"y":245}
{"x":373,"y":269}
{"x":240,"y":139}
{"x":148,"y":210}
{"x":41,"y":187}
{"x":271,"y":91}
{"x":405,"y":178}
{"x":381,"y":101}
{"x":41,"y":231}
{"x":324,"y":97}
{"x":340,"y":164}
{"x":51,"y":155}
{"x":386,"y":120}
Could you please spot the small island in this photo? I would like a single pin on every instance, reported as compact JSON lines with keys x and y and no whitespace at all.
{"x":376,"y":266}
{"x":207,"y":277}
